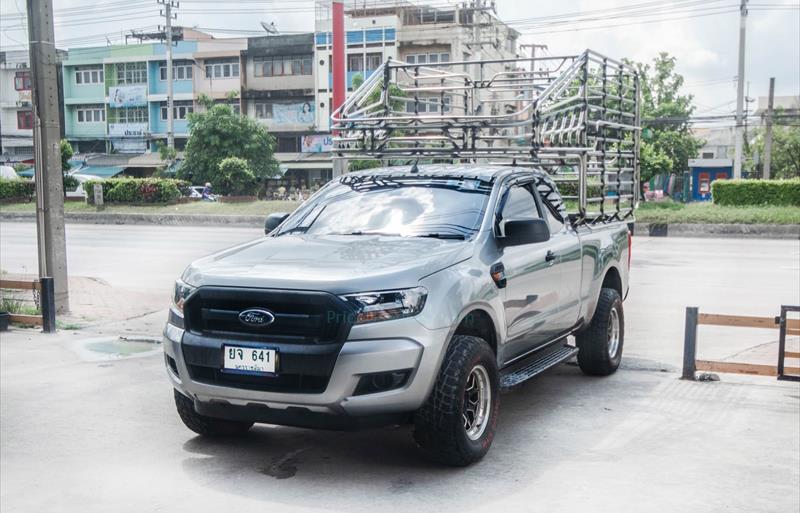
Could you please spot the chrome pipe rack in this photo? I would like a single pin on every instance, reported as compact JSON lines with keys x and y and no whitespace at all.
{"x":576,"y":117}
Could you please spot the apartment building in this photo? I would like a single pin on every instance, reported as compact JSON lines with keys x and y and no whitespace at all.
{"x":370,"y":40}
{"x":16,"y":108}
{"x":278,"y":91}
{"x":115,"y":97}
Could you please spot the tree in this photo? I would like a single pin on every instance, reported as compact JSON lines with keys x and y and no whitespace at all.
{"x":70,"y":182}
{"x":785,"y":148}
{"x":66,"y":154}
{"x":665,"y":116}
{"x":219,"y":133}
{"x":235,"y":176}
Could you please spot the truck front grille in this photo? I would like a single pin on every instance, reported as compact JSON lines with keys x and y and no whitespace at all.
{"x":308,"y":332}
{"x":300,"y":317}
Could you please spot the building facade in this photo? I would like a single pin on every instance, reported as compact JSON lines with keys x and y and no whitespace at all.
{"x":278,"y":92}
{"x":16,"y":107}
{"x":115,"y":97}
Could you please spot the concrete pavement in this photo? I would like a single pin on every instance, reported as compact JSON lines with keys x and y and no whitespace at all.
{"x":99,"y":436}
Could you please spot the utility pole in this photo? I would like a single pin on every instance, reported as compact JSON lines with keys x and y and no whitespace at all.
{"x":768,"y":134}
{"x":167,"y":13}
{"x":737,"y":162}
{"x":339,"y":64}
{"x":533,"y":48}
{"x":52,"y":243}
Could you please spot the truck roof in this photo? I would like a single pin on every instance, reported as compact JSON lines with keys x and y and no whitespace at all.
{"x":487,"y":173}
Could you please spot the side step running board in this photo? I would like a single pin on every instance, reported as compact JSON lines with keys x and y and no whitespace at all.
{"x":534,"y":365}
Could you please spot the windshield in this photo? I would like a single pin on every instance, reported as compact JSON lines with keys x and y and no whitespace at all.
{"x":446,"y":208}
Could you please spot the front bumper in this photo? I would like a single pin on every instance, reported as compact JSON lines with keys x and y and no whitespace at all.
{"x":370,"y":348}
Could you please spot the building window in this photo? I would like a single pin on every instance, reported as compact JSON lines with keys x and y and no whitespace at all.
{"x":233,"y":104}
{"x":263,"y":110}
{"x":91,"y":114}
{"x":180,"y":110}
{"x":180,"y":71}
{"x":288,"y":144}
{"x":374,"y":60}
{"x":131,"y":72}
{"x":355,"y":62}
{"x":25,"y":120}
{"x":222,"y":68}
{"x":708,"y":154}
{"x":282,"y":66}
{"x":428,"y":58}
{"x":429,"y":104}
{"x":89,"y":75}
{"x":22,"y":81}
{"x":128,"y":115}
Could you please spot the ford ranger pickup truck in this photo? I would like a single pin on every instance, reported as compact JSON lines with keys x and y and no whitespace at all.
{"x":410,"y":294}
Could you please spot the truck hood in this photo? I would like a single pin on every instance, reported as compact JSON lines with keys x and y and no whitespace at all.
{"x":338,"y":264}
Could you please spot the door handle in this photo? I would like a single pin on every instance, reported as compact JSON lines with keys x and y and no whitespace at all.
{"x":550,"y":256}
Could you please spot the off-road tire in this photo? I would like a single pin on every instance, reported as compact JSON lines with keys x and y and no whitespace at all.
{"x":593,"y":342}
{"x":439,"y":427}
{"x":207,"y":426}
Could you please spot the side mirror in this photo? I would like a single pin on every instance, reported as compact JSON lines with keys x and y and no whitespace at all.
{"x":524,"y":231}
{"x":273,"y":221}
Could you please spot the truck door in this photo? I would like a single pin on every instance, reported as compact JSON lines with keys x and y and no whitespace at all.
{"x":533,"y":286}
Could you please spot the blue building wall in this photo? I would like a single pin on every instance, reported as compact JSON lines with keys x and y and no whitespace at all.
{"x":703,"y":177}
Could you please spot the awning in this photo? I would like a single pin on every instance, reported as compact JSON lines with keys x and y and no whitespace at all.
{"x":101,"y":171}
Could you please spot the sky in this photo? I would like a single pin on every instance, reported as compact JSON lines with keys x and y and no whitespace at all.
{"x":703,"y":35}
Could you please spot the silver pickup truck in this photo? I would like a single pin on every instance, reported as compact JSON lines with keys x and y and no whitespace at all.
{"x":398,"y":295}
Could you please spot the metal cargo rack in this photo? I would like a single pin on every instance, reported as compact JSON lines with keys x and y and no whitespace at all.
{"x":576,"y":117}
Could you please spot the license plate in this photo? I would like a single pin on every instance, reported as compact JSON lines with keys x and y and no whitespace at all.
{"x":249,"y":360}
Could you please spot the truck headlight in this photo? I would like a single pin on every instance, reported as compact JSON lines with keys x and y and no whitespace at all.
{"x":387,"y":305}
{"x":182,"y":291}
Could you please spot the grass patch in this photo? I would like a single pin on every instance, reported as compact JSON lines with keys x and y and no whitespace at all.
{"x":256,"y":208}
{"x":68,"y":326}
{"x":707,"y":213}
{"x":17,"y":306}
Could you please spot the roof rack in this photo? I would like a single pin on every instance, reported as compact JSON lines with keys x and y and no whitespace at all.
{"x":576,"y":117}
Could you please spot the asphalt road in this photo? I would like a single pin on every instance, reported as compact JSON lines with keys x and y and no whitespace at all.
{"x":84,"y":430}
{"x":729,"y":276}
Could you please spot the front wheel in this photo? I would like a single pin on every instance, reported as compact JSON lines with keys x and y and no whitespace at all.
{"x":600,"y":345}
{"x":456,"y":424}
{"x":204,"y":425}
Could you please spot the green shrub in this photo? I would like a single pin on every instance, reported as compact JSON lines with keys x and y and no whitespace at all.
{"x":756,"y":192}
{"x":136,"y":190}
{"x":70,"y":183}
{"x":23,"y":190}
{"x":235,"y":177}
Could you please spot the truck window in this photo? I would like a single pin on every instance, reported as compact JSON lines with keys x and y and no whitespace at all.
{"x":519,"y":204}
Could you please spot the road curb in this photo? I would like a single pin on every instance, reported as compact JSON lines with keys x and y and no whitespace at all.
{"x":146,"y":219}
{"x":755,"y":231}
{"x":741,"y":231}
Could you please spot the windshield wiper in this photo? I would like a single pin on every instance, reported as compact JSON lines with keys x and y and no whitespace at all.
{"x":301,"y":229}
{"x":453,"y":236}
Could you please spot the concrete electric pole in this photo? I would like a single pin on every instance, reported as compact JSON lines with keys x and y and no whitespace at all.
{"x":167,"y":13}
{"x":339,"y":65}
{"x":52,"y":242}
{"x":533,"y":48}
{"x":768,"y":134}
{"x":737,"y":162}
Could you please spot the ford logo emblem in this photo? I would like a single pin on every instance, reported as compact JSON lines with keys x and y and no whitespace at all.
{"x":256,"y":317}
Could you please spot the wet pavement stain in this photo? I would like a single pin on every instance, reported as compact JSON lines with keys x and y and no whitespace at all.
{"x":401,"y":485}
{"x":283,"y":467}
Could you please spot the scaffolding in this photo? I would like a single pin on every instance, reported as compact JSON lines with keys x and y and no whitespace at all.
{"x":575,"y":117}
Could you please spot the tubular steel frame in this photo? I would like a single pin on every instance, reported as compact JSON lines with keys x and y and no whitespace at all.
{"x":577,"y":117}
